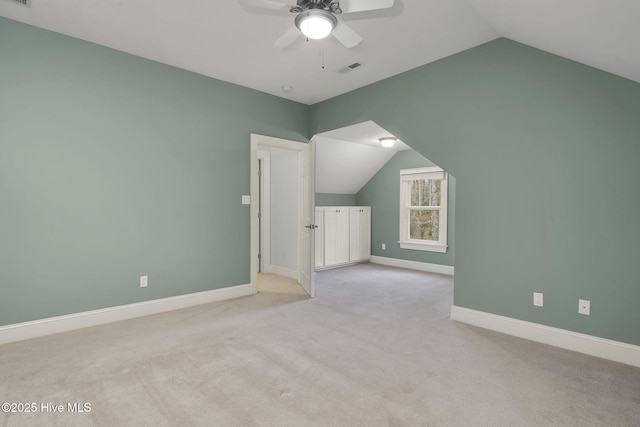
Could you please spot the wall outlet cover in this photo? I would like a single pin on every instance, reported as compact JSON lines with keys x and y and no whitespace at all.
{"x":584,"y":307}
{"x":144,"y":281}
{"x":538,"y":299}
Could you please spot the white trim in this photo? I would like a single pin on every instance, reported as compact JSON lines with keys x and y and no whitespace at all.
{"x":413,"y":265}
{"x":343,"y":264}
{"x":281,"y":271}
{"x":431,"y":172}
{"x":54,"y":325}
{"x":265,"y":196}
{"x":582,"y":343}
{"x":417,"y":245}
{"x":267,"y":141}
{"x":406,"y":176}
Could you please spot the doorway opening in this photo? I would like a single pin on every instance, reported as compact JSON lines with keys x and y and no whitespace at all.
{"x":281,"y":220}
{"x":354,"y":170}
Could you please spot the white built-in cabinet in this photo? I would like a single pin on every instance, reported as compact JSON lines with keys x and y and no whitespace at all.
{"x":359,"y":233}
{"x":336,"y":236}
{"x":319,"y":237}
{"x":343,"y":235}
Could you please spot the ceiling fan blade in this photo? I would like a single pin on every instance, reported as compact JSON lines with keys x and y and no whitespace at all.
{"x":346,"y":35}
{"x":288,"y":38}
{"x":266,"y":4}
{"x":351,"y":6}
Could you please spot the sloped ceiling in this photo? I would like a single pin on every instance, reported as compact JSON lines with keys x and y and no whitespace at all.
{"x":221,"y":39}
{"x":600,"y":33}
{"x":347,"y":158}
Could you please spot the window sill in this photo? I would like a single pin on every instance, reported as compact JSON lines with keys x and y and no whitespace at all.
{"x":419,"y":246}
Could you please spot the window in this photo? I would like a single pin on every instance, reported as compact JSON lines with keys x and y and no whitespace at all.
{"x":423,"y":209}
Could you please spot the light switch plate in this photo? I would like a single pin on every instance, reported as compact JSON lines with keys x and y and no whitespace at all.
{"x":246,"y":200}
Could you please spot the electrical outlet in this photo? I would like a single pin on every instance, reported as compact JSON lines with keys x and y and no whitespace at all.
{"x":384,"y":247}
{"x":144,"y":281}
{"x":538,"y":299}
{"x":584,"y":307}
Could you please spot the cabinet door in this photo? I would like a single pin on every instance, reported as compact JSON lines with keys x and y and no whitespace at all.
{"x":360,"y":233}
{"x":319,"y":236}
{"x":343,"y":236}
{"x":365,"y":233}
{"x":336,"y":236}
{"x":354,"y":234}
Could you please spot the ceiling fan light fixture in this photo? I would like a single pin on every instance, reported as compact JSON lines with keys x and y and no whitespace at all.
{"x":316,"y":24}
{"x":388,"y":141}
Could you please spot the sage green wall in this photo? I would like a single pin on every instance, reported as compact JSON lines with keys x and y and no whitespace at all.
{"x":329,"y":199}
{"x":382,"y":193}
{"x":545,"y":152}
{"x":113,"y":167}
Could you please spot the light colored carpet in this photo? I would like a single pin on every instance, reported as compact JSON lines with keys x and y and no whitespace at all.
{"x":375,"y":348}
{"x":274,"y":284}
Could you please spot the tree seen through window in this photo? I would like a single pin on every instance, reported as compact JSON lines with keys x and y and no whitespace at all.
{"x":424,"y":215}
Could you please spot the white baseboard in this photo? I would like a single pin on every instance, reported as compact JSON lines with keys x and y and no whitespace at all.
{"x":281,"y":271}
{"x":413,"y":265}
{"x":345,"y":264}
{"x":54,"y":325}
{"x":582,"y":343}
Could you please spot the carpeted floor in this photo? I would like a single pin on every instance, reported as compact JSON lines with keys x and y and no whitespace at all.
{"x":374,"y":348}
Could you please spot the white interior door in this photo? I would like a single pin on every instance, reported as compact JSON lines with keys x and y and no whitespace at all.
{"x":264,"y":210}
{"x":306,"y":207}
{"x":308,"y":226}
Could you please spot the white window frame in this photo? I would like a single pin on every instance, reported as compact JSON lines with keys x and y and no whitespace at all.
{"x":405,"y":242}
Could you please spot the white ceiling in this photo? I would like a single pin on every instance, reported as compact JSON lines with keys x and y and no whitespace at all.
{"x":347,"y":158}
{"x":220,"y":39}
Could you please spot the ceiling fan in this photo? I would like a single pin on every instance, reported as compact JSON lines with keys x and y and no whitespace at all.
{"x":316,"y":19}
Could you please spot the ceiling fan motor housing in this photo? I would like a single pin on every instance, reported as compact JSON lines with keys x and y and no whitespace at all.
{"x":328,"y":5}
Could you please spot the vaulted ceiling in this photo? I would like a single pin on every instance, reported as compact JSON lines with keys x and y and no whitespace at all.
{"x":223,"y":40}
{"x":347,"y":158}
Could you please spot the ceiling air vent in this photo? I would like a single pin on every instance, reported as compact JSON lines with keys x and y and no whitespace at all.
{"x":350,"y":67}
{"x":26,"y":3}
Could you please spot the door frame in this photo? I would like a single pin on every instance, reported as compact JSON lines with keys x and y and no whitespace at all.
{"x":268,"y":141}
{"x":264,"y":205}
